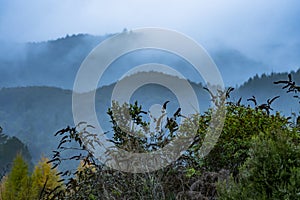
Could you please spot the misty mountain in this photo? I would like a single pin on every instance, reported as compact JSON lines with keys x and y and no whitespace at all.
{"x":235,"y":67}
{"x":52,"y":63}
{"x":55,"y":63}
{"x":263,"y":88}
{"x":10,"y":147}
{"x":34,"y":114}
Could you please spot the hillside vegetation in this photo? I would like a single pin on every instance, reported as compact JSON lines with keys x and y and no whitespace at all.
{"x":257,"y":156}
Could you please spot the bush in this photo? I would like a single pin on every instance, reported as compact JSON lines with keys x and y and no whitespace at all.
{"x":271,"y":172}
{"x":241,"y":125}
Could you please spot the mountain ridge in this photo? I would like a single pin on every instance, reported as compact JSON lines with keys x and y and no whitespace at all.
{"x":56,"y":62}
{"x":35,"y":113}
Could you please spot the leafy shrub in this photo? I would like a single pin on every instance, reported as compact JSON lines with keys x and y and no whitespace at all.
{"x":204,"y":187}
{"x":94,"y":180}
{"x":271,"y":172}
{"x":241,"y":125}
{"x":248,"y":135}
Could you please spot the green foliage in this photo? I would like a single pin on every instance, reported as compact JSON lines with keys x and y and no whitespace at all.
{"x":20,"y":185}
{"x":258,"y":149}
{"x":249,"y":137}
{"x":44,"y":179}
{"x":125,"y":119}
{"x":9,"y":148}
{"x":271,"y":172}
{"x":2,"y":187}
{"x":17,"y":184}
{"x":24,"y":113}
{"x":204,"y":186}
{"x":241,"y":125}
{"x":95,"y":180}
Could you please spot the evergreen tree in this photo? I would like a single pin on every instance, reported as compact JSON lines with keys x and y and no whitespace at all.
{"x":44,"y":178}
{"x":9,"y":148}
{"x":2,"y":187}
{"x":18,"y":182}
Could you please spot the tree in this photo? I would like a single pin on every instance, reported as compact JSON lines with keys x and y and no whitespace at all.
{"x":44,"y":179}
{"x":18,"y":182}
{"x":9,"y":148}
{"x":2,"y":187}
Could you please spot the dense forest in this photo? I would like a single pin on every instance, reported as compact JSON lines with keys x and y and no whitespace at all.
{"x":44,"y":155}
{"x":38,"y":64}
{"x":257,"y":155}
{"x":24,"y":114}
{"x":10,"y":147}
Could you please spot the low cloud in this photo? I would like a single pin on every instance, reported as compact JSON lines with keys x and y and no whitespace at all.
{"x":252,"y":27}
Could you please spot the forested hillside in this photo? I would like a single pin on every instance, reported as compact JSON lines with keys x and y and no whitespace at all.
{"x":55,"y":63}
{"x":34,"y":114}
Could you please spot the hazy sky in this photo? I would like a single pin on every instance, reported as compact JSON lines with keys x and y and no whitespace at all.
{"x":252,"y":26}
